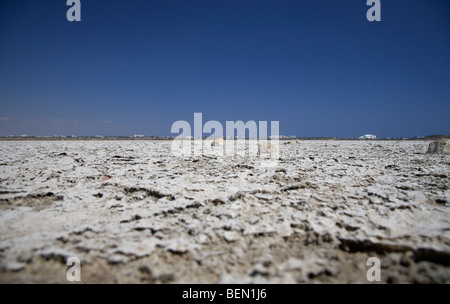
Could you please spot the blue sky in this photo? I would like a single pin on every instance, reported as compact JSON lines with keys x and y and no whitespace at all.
{"x":135,"y":67}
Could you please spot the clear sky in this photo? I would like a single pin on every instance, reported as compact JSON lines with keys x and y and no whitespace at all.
{"x":135,"y":67}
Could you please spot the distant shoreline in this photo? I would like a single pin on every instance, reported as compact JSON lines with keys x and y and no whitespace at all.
{"x":435,"y":137}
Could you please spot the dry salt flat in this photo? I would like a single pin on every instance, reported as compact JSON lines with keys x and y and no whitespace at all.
{"x":132,"y":212}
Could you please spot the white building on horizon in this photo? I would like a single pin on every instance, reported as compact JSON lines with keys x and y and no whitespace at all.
{"x":368,"y":136}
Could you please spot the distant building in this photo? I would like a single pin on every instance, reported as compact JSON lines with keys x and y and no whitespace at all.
{"x":368,"y":136}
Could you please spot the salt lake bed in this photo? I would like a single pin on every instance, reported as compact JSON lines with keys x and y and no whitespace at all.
{"x":133,"y":212}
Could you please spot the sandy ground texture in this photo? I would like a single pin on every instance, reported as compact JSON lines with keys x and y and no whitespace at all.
{"x":132,"y":212}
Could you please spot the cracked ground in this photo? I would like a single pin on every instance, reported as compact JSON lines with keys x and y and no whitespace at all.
{"x":134,"y":213}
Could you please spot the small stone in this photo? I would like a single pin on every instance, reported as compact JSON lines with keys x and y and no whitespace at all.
{"x":253,"y":220}
{"x":260,"y":269}
{"x":177,"y":246}
{"x":231,"y":236}
{"x":441,"y":146}
{"x":202,"y":239}
{"x":16,"y":266}
{"x":218,"y":142}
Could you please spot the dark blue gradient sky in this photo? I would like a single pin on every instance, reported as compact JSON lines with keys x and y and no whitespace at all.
{"x":134,"y":67}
